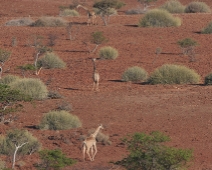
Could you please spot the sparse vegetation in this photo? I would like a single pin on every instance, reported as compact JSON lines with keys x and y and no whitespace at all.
{"x":69,"y":12}
{"x":173,"y":6}
{"x":59,"y":120}
{"x":159,"y":18}
{"x":108,"y":53}
{"x":146,"y":3}
{"x":53,"y":159}
{"x":35,"y":88}
{"x":49,"y":22}
{"x":187,"y":45}
{"x":134,"y":74}
{"x":20,"y":22}
{"x":197,"y":7}
{"x":208,"y":79}
{"x":135,"y":11}
{"x":174,"y":74}
{"x":149,"y":152}
{"x":207,"y":29}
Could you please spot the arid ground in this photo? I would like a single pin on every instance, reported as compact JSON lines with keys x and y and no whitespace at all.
{"x":183,"y":112}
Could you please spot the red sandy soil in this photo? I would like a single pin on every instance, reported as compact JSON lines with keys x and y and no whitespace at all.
{"x":182,"y":112}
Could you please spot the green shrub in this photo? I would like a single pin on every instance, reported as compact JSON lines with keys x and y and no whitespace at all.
{"x":208,"y":79}
{"x":197,"y":7}
{"x":159,"y":18}
{"x":20,"y":22}
{"x":59,"y":120}
{"x":53,"y":159}
{"x":35,"y":88}
{"x":49,"y":22}
{"x":207,"y":29}
{"x":51,"y":60}
{"x":69,"y":12}
{"x":173,"y":6}
{"x":134,"y":74}
{"x":173,"y":74}
{"x":148,"y":151}
{"x":9,"y":79}
{"x":108,"y":53}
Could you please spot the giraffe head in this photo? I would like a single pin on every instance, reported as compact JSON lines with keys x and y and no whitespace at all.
{"x":101,"y":126}
{"x":94,"y":59}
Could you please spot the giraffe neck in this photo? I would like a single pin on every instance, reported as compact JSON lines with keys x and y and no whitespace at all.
{"x":96,"y":132}
{"x":94,"y":66}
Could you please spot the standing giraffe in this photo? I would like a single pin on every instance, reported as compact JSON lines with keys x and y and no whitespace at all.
{"x":91,"y":15}
{"x":96,"y":76}
{"x":89,"y":145}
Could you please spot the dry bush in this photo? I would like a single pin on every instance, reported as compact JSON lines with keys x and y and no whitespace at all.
{"x":9,"y":79}
{"x":173,"y":6}
{"x":69,"y":12}
{"x":134,"y":74}
{"x":51,"y":60}
{"x":197,"y":7}
{"x":59,"y":120}
{"x":49,"y":22}
{"x":20,"y":22}
{"x":108,"y":53}
{"x":159,"y":18}
{"x":35,"y":88}
{"x":135,"y":11}
{"x":174,"y":74}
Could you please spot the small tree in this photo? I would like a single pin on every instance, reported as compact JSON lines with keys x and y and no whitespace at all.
{"x":146,"y":3}
{"x":53,"y":159}
{"x":147,"y":152}
{"x":97,"y":38}
{"x":72,"y":30}
{"x":4,"y":56}
{"x":106,"y":8}
{"x":187,"y":45}
{"x":20,"y":142}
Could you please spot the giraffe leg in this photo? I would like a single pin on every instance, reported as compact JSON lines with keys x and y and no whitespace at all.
{"x":95,"y":151}
{"x":88,"y":150}
{"x":83,"y":152}
{"x":89,"y":21}
{"x":97,"y":86}
{"x":92,"y":149}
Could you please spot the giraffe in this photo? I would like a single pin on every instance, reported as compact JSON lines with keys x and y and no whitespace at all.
{"x":91,"y":15}
{"x":96,"y":76}
{"x":89,"y":145}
